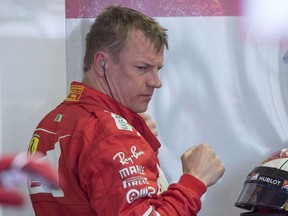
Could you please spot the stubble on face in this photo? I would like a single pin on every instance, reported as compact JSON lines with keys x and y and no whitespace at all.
{"x":130,"y":82}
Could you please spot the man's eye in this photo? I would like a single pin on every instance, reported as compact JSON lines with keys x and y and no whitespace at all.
{"x":141,"y":67}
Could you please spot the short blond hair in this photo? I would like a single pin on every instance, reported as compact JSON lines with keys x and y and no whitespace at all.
{"x":111,"y":28}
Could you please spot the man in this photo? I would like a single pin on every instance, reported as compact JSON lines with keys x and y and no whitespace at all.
{"x":105,"y":153}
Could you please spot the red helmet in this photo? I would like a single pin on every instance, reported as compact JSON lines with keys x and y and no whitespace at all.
{"x":266,"y":187}
{"x":15,"y":169}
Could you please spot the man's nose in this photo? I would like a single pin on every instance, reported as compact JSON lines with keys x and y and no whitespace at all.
{"x":154,"y":79}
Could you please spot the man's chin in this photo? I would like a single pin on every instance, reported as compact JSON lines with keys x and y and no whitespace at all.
{"x":140,"y":109}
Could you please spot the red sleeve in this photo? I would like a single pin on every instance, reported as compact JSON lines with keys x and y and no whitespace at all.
{"x":184,"y":197}
{"x":120,"y":177}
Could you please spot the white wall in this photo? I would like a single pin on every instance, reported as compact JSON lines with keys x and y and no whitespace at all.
{"x":33,"y":71}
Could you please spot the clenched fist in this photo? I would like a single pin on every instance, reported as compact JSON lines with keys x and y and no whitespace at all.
{"x":203,"y":163}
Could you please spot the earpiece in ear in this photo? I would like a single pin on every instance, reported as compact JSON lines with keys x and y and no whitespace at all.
{"x":101,"y":63}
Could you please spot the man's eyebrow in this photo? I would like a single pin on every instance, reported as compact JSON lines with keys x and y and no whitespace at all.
{"x":158,"y":67}
{"x":148,"y":64}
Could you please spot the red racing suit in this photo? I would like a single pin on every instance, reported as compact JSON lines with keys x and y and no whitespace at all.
{"x":107,"y":164}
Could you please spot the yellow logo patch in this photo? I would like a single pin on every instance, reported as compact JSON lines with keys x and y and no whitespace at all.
{"x":75,"y":93}
{"x":33,"y":145}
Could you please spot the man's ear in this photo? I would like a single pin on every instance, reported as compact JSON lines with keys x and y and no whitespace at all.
{"x":99,"y":63}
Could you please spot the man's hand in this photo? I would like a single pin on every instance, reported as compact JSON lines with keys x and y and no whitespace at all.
{"x":203,"y":163}
{"x":152,"y":126}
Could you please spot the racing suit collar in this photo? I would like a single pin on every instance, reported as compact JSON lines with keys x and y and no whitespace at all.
{"x":81,"y":93}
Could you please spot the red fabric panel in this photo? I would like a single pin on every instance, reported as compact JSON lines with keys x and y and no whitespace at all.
{"x":156,"y":8}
